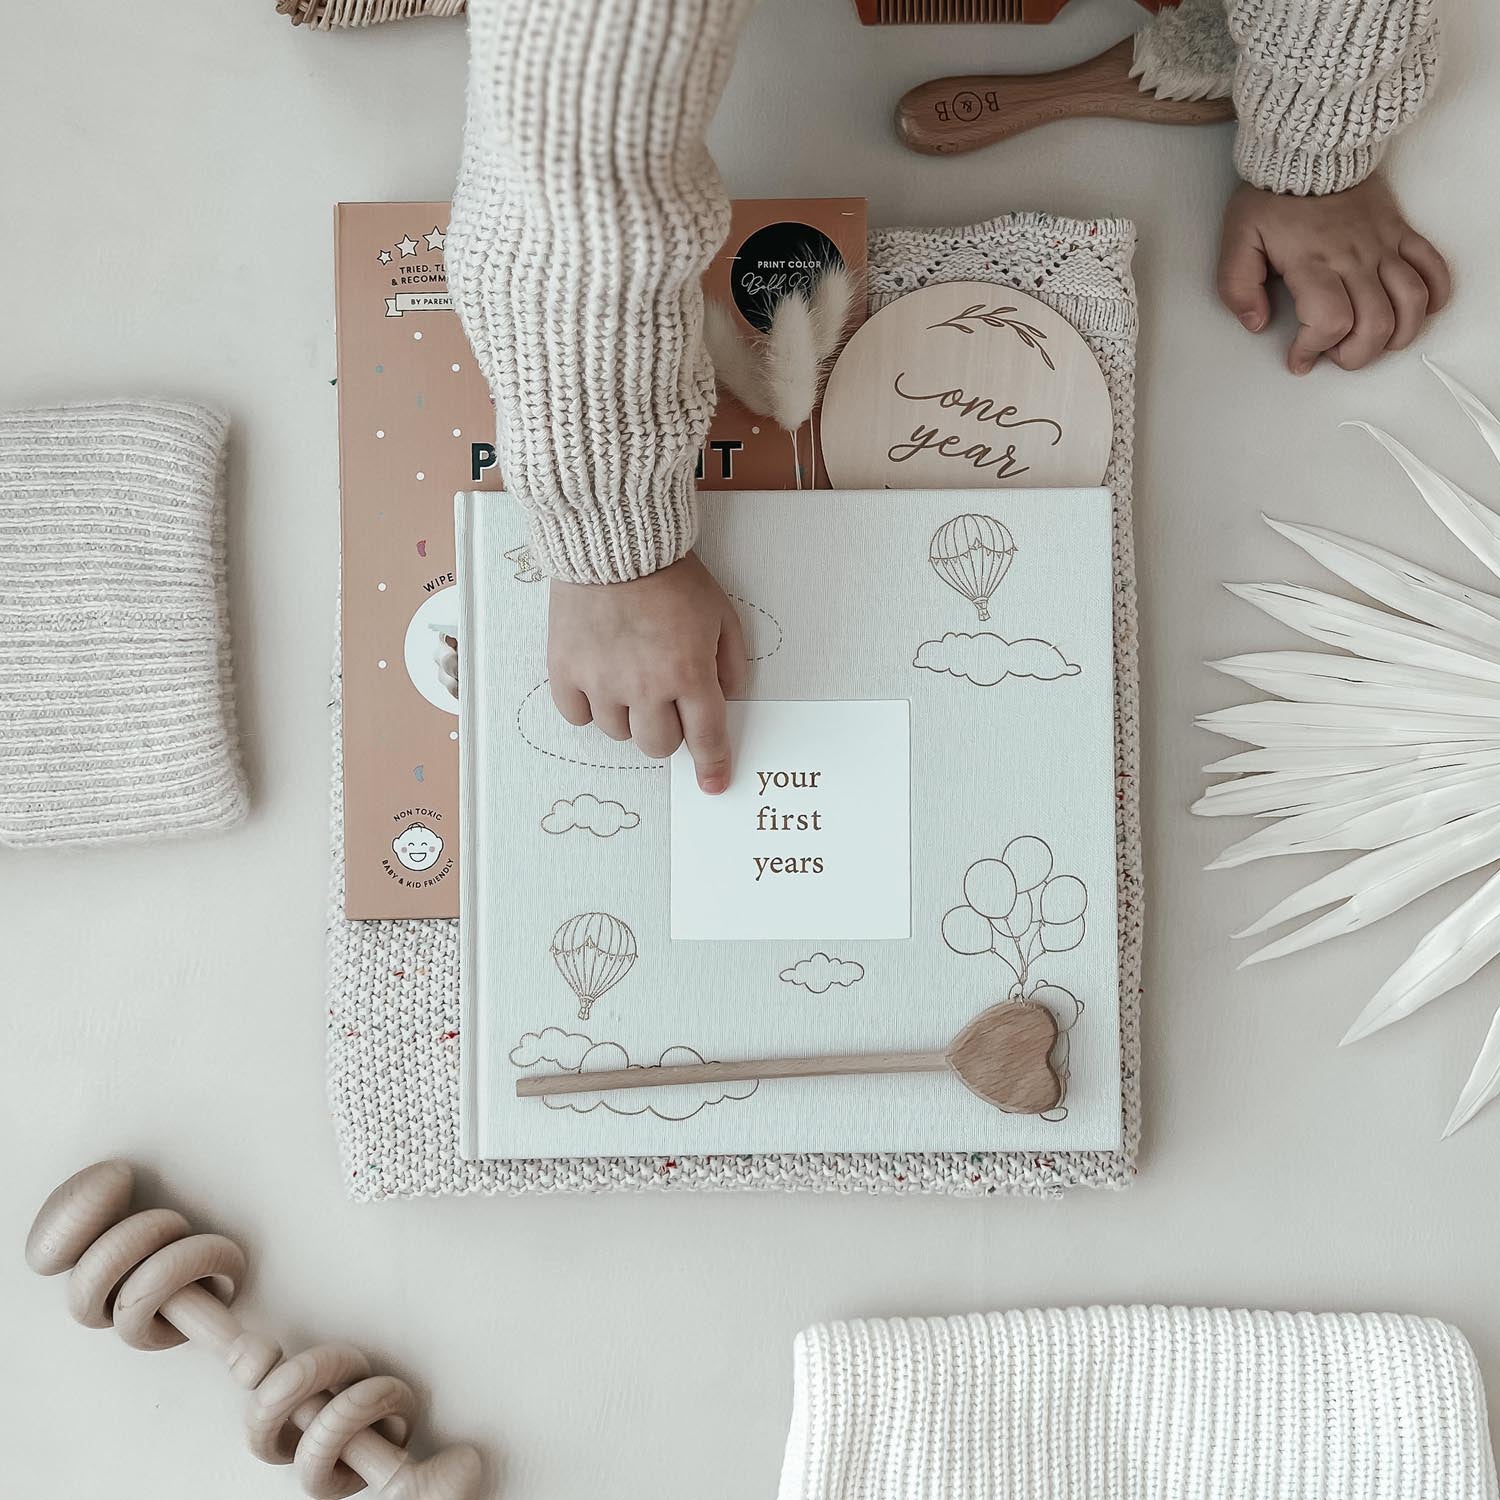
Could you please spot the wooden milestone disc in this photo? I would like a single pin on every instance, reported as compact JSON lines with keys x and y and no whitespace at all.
{"x":966,"y":385}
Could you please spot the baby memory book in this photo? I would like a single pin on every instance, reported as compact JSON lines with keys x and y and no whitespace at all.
{"x":907,"y":897}
{"x":415,"y":424}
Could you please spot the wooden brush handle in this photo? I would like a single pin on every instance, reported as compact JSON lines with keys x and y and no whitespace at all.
{"x":964,"y":113}
{"x":836,"y":1065}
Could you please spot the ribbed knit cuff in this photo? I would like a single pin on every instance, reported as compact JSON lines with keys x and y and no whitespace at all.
{"x":1263,"y":164}
{"x":613,"y":544}
{"x":116,"y":711}
{"x":1176,"y":1403}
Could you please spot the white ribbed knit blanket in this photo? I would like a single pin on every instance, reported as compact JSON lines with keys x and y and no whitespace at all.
{"x":393,"y":1013}
{"x":1138,"y":1403}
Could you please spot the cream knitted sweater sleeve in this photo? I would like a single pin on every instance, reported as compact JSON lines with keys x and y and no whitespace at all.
{"x":1321,"y":86}
{"x":588,"y":207}
{"x":586,"y":211}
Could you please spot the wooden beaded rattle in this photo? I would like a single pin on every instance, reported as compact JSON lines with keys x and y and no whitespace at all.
{"x":161,"y":1285}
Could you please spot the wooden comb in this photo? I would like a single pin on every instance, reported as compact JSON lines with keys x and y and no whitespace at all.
{"x":963,"y":113}
{"x":967,"y":12}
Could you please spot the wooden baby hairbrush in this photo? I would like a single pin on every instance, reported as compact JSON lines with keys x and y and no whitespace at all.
{"x":1002,"y":1055}
{"x":160,"y":1285}
{"x":963,"y":113}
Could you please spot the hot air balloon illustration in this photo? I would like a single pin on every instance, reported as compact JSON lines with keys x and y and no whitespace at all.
{"x":971,"y":554}
{"x":593,"y":952}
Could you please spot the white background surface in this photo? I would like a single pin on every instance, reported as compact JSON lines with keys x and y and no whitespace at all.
{"x":166,"y":183}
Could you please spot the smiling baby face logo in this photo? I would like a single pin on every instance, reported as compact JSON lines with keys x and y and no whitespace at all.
{"x":417,"y":847}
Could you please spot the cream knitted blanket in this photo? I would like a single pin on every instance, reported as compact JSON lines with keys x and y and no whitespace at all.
{"x":117,"y":716}
{"x":393,"y":1012}
{"x":1138,"y":1403}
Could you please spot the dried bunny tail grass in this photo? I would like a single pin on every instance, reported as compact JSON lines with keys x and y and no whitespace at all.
{"x":791,"y":363}
{"x":831,"y":303}
{"x":737,"y":363}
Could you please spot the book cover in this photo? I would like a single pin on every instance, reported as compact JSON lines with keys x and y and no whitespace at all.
{"x":921,"y":826}
{"x":415,"y":426}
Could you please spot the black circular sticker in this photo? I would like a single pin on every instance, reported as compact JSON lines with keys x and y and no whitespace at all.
{"x":778,"y":259}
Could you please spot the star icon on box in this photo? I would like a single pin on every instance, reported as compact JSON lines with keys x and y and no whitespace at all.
{"x":436,"y":239}
{"x":407,"y":245}
{"x":384,"y":257}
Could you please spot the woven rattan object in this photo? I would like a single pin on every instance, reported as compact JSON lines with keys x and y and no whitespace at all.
{"x":328,"y":14}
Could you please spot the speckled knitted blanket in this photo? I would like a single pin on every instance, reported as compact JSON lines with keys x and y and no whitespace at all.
{"x":1126,"y":1403}
{"x":393,"y":1011}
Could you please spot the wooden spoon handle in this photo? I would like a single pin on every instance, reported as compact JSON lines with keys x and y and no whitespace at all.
{"x":963,"y":113}
{"x":836,"y":1065}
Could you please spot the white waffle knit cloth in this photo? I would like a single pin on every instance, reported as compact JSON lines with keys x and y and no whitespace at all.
{"x":116,"y":703}
{"x":393,"y":1012}
{"x":1138,"y":1403}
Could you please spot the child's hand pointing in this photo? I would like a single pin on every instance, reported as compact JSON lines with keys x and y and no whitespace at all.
{"x":651,"y":660}
{"x":1362,"y":279}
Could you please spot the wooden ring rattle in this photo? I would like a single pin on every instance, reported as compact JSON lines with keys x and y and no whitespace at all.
{"x":159,"y":1285}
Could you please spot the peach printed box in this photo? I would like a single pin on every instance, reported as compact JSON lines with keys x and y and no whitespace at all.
{"x":415,"y":425}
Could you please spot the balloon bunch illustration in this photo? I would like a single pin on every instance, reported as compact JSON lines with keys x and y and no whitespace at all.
{"x":1017,"y":908}
{"x":593,"y":952}
{"x":972,"y":554}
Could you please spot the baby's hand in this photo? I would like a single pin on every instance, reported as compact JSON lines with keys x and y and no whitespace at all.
{"x":1362,"y":279}
{"x":650,"y":660}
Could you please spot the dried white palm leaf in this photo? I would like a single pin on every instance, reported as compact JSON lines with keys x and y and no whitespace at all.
{"x":1280,"y":796}
{"x":1366,"y":631}
{"x":1308,"y":677}
{"x":1455,"y":950}
{"x":1475,"y":525}
{"x":1380,"y":882}
{"x":1388,"y":747}
{"x":1483,"y":1084}
{"x":1471,"y":406}
{"x":1399,"y":584}
{"x":1332,"y":758}
{"x":1369,"y":824}
{"x":1276,"y":723}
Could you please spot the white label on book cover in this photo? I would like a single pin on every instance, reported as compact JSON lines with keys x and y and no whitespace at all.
{"x":812,"y":839}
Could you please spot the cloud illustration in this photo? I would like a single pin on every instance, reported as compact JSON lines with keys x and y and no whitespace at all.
{"x":563,"y":1049}
{"x":986,"y":659}
{"x":546,"y":731}
{"x":819,"y":973}
{"x":670,"y":1102}
{"x":588,"y":814}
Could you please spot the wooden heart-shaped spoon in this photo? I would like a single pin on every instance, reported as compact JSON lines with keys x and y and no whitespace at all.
{"x":1002,"y":1055}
